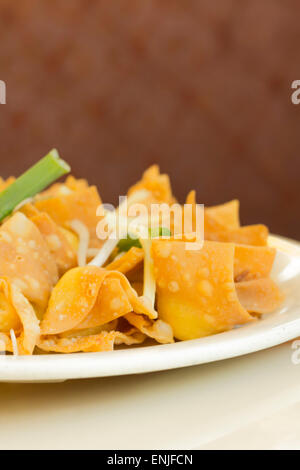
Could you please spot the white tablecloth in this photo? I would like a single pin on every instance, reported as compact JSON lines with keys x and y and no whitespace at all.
{"x":250,"y":402}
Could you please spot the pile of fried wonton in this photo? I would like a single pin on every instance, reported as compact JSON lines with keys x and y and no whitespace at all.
{"x":53,"y":300}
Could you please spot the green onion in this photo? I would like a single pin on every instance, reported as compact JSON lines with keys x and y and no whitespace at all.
{"x":33,"y":181}
{"x":126,"y":243}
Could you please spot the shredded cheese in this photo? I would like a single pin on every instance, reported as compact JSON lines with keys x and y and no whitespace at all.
{"x":92,"y":252}
{"x":84,"y":239}
{"x":14,"y":342}
{"x":105,"y":252}
{"x":149,"y":288}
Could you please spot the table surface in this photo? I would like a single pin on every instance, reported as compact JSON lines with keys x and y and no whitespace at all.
{"x":250,"y":402}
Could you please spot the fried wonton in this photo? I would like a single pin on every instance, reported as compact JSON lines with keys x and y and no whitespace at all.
{"x":67,"y":187}
{"x":197,"y":290}
{"x":196,"y":294}
{"x":259,"y":295}
{"x":89,"y":297}
{"x":221,"y":227}
{"x":62,"y":250}
{"x":157,"y":184}
{"x":128,"y":261}
{"x":17,"y":315}
{"x":29,"y":210}
{"x":226,"y":214}
{"x":101,"y":342}
{"x":252,"y":262}
{"x":65,"y":205}
{"x":74,"y":183}
{"x":157,"y":329}
{"x":26,"y":260}
{"x":256,"y":235}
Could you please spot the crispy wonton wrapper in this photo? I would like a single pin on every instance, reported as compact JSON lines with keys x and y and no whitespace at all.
{"x":157,"y":184}
{"x":214,"y":230}
{"x":256,"y":235}
{"x":79,"y":203}
{"x":196,"y":294}
{"x":127,"y":262}
{"x":252,"y":262}
{"x":60,"y":189}
{"x":63,"y":252}
{"x":16,"y":313}
{"x":157,"y":329}
{"x":226,"y":214}
{"x":88,"y":297}
{"x":101,"y":342}
{"x":29,"y":210}
{"x":26,"y":260}
{"x":260,"y":295}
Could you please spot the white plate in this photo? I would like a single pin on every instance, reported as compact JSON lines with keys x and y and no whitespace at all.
{"x":273,"y":329}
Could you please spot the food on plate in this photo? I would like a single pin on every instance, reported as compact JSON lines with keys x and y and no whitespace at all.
{"x":65,"y":287}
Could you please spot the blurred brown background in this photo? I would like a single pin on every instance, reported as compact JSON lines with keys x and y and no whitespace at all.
{"x":201,"y":87}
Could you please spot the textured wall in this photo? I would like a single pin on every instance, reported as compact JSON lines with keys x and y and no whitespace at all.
{"x":201,"y":87}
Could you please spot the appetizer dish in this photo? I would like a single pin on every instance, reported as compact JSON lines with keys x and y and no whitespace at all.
{"x":66,"y":288}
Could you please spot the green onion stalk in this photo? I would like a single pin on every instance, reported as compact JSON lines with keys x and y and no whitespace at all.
{"x":33,"y":181}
